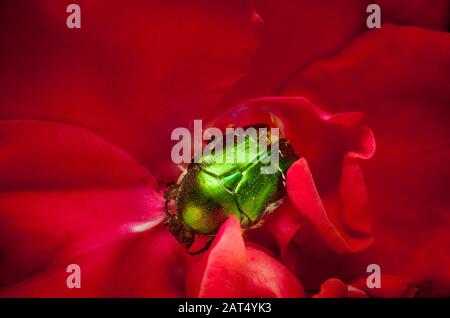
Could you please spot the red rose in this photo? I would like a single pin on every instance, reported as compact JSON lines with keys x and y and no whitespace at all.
{"x":85,"y":123}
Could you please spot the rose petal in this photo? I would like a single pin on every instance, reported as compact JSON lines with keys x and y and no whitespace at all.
{"x":405,"y":99}
{"x":45,"y":155}
{"x":147,"y":264}
{"x":332,"y":288}
{"x":295,"y":34}
{"x":333,"y":146}
{"x":391,"y":287}
{"x":267,"y":277}
{"x":232,"y":270}
{"x":62,"y":184}
{"x":224,"y":271}
{"x":424,"y":13}
{"x":130,"y":68}
{"x":284,"y":224}
{"x":303,"y":194}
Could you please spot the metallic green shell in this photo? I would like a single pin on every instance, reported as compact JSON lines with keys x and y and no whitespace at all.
{"x":211,"y":191}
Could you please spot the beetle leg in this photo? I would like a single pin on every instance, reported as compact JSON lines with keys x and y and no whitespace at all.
{"x":204,"y":248}
{"x":256,"y":225}
{"x":169,"y":195}
{"x":166,"y":209}
{"x":283,"y":177}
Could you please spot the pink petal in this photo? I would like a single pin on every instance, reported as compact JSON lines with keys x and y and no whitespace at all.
{"x":232,"y":270}
{"x":267,"y":277}
{"x":332,"y":288}
{"x":224,"y":271}
{"x":341,"y":238}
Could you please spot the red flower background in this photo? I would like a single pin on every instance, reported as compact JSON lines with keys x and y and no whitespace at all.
{"x":85,"y":123}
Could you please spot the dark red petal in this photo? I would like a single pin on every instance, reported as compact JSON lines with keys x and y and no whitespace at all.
{"x":405,"y":99}
{"x":284,"y":225}
{"x":62,"y":184}
{"x":295,"y":34}
{"x":132,"y":73}
{"x":147,"y":263}
{"x":433,"y":14}
{"x":38,"y":155}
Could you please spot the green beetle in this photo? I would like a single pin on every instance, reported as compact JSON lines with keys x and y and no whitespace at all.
{"x":211,"y":190}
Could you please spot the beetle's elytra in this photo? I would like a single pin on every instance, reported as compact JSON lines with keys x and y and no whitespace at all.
{"x":212,"y":190}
